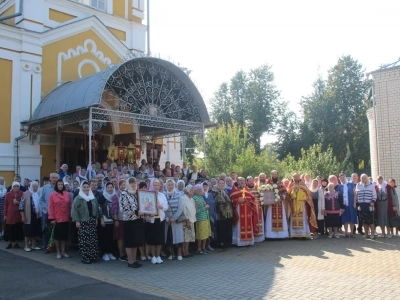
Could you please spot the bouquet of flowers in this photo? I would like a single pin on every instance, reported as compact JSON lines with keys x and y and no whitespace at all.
{"x":270,"y":193}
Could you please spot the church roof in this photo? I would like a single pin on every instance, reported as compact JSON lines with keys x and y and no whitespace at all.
{"x":386,"y":67}
{"x":142,"y":85}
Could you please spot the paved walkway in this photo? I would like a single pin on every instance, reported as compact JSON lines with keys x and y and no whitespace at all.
{"x":25,"y":279}
{"x":290,"y":269}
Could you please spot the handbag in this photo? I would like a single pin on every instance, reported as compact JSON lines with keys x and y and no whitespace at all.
{"x":394,"y":221}
{"x":182,"y":218}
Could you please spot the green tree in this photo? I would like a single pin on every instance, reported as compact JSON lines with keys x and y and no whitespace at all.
{"x":288,"y":135}
{"x":314,"y":161}
{"x":336,"y":113}
{"x":221,"y":105}
{"x":250,"y":99}
{"x":190,"y":147}
{"x":250,"y":164}
{"x":224,"y":145}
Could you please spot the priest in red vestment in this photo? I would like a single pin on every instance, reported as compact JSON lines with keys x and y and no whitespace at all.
{"x":258,"y":219}
{"x":276,"y":226}
{"x":244,"y":204}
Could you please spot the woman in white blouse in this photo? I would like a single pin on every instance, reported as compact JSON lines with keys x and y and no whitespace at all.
{"x":189,"y":209}
{"x":155,"y":227}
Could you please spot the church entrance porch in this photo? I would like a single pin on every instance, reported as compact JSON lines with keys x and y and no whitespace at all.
{"x":139,"y":103}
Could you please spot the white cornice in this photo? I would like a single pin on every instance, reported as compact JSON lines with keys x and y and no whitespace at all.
{"x":18,"y":36}
{"x":92,"y":11}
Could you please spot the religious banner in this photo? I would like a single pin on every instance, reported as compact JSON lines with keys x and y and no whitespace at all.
{"x":112,"y":152}
{"x":121,"y":154}
{"x":131,"y":151}
{"x":138,"y":150}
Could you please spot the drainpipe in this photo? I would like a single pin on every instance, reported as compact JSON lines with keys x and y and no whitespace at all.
{"x":16,"y":152}
{"x":17,"y":14}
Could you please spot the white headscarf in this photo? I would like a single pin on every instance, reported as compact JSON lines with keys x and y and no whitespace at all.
{"x":85,"y":197}
{"x":166,"y":187}
{"x":180,"y":181}
{"x":15,"y":183}
{"x":206,"y":193}
{"x":82,"y":176}
{"x":3,"y":188}
{"x":106,"y":194}
{"x":35,"y":198}
{"x":383,"y":186}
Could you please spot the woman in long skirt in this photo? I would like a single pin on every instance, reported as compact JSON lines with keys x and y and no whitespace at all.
{"x":317,"y":195}
{"x":155,"y":225}
{"x":173,"y":229}
{"x":14,"y":226}
{"x":224,"y":215}
{"x":59,"y":213}
{"x":133,"y":224}
{"x":84,"y":213}
{"x":384,"y":205}
{"x":333,"y":210}
{"x":30,"y":212}
{"x":203,"y":228}
{"x":3,"y":191}
{"x":189,"y":209}
{"x":395,"y":198}
{"x":106,"y":238}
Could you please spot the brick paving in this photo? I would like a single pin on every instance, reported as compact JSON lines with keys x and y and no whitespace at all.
{"x":290,"y":269}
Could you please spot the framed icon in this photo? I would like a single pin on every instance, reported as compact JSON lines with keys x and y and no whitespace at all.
{"x":147,"y":202}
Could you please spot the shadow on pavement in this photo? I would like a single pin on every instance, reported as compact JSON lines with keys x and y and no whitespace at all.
{"x":23,"y":279}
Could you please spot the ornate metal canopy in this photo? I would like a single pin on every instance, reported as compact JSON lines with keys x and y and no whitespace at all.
{"x":152,"y":93}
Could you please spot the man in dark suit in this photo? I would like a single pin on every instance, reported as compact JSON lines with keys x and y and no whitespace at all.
{"x":185,"y":170}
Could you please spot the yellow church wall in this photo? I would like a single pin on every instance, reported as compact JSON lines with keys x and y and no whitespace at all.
{"x":8,"y":176}
{"x":135,"y":19}
{"x":121,"y":35}
{"x":59,"y":16}
{"x":125,"y":128}
{"x":9,"y":11}
{"x":70,"y":66}
{"x":48,"y":153}
{"x":119,"y":8}
{"x":6,"y":99}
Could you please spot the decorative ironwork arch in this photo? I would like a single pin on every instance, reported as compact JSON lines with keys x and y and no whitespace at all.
{"x":154,"y":94}
{"x":148,"y":87}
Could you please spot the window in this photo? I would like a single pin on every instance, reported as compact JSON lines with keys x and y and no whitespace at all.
{"x":100,"y":4}
{"x":138,"y":4}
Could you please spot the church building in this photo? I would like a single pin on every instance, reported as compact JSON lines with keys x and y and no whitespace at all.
{"x":75,"y":80}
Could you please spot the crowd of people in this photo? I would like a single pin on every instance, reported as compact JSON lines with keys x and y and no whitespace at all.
{"x":97,"y":210}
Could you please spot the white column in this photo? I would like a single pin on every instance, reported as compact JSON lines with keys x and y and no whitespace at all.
{"x":109,"y":7}
{"x":373,"y":143}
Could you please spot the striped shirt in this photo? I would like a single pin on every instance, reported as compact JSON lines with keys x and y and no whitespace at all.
{"x":365,"y":193}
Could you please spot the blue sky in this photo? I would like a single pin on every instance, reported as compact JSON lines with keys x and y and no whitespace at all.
{"x":216,"y":38}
